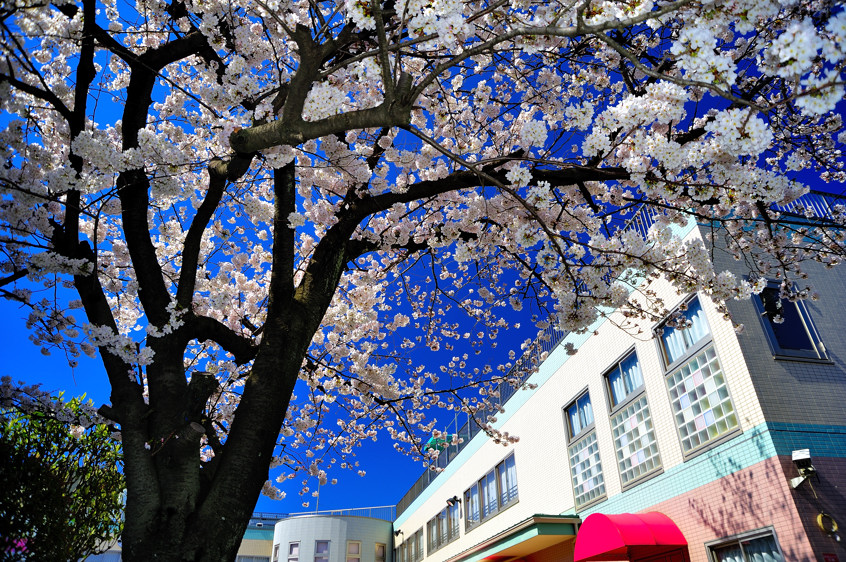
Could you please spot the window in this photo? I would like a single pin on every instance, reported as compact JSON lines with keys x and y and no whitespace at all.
{"x":353,"y":551}
{"x":416,"y":546}
{"x":495,"y":491}
{"x":690,"y":329}
{"x":631,"y":423}
{"x":788,"y":325}
{"x":698,"y":391}
{"x":579,"y":415}
{"x":432,"y":535}
{"x":275,"y":553}
{"x":443,"y":528}
{"x":472,"y":515}
{"x":585,"y":466}
{"x":293,"y":552}
{"x":381,"y":549}
{"x":490,"y":496}
{"x":624,"y":379}
{"x":508,"y":481}
{"x":321,"y":551}
{"x":248,"y":558}
{"x":751,"y":547}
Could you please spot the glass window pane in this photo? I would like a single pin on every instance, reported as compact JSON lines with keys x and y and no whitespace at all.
{"x":471,"y":505}
{"x":729,"y":554}
{"x":454,"y":521}
{"x":586,"y":410}
{"x":575,"y":422}
{"x":632,"y":376}
{"x":786,"y":321}
{"x":698,"y":324}
{"x":676,"y":341}
{"x":701,"y":401}
{"x":489,"y":494}
{"x":586,"y":469}
{"x":617,"y":386}
{"x":634,"y":439}
{"x":511,"y":469}
{"x":762,"y":549}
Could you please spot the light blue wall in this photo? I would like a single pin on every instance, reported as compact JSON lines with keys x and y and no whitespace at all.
{"x":307,"y":529}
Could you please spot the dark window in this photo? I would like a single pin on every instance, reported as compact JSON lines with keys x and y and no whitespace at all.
{"x":788,"y":325}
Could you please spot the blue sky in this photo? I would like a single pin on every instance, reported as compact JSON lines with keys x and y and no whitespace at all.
{"x":389,"y":474}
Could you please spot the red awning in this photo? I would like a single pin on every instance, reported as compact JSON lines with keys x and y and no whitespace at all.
{"x":626,"y":536}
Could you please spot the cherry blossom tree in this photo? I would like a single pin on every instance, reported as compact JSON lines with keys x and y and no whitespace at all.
{"x":247,"y":194}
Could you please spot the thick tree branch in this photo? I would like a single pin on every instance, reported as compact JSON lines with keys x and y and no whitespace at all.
{"x":219,"y":173}
{"x":45,"y":95}
{"x":204,"y":328}
{"x":292,"y":130}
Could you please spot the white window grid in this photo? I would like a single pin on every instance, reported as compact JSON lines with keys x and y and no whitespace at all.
{"x":701,"y":401}
{"x":586,"y":468}
{"x":634,"y":439}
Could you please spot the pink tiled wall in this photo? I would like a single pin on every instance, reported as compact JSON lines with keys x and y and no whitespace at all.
{"x":749,"y":499}
{"x":760,"y":496}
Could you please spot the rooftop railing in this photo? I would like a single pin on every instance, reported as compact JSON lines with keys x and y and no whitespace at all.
{"x":386,"y":512}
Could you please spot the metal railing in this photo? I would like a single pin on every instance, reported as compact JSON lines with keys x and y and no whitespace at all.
{"x":385,"y":512}
{"x":813,"y":205}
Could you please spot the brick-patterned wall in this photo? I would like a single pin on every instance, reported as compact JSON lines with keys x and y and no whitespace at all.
{"x":752,"y":498}
{"x":823,"y":493}
{"x":789,"y":391}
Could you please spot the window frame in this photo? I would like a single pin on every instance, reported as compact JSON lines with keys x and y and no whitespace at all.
{"x":584,"y":430}
{"x":417,"y":540}
{"x":353,"y":556}
{"x":572,"y":440}
{"x":691,"y":350}
{"x":290,"y":556}
{"x":631,"y":394}
{"x":443,"y":528}
{"x":712,"y":546}
{"x":325,"y":558}
{"x":478,"y":487}
{"x":819,"y":351}
{"x":697,"y":348}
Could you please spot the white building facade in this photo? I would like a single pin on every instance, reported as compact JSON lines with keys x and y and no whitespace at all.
{"x":699,"y":425}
